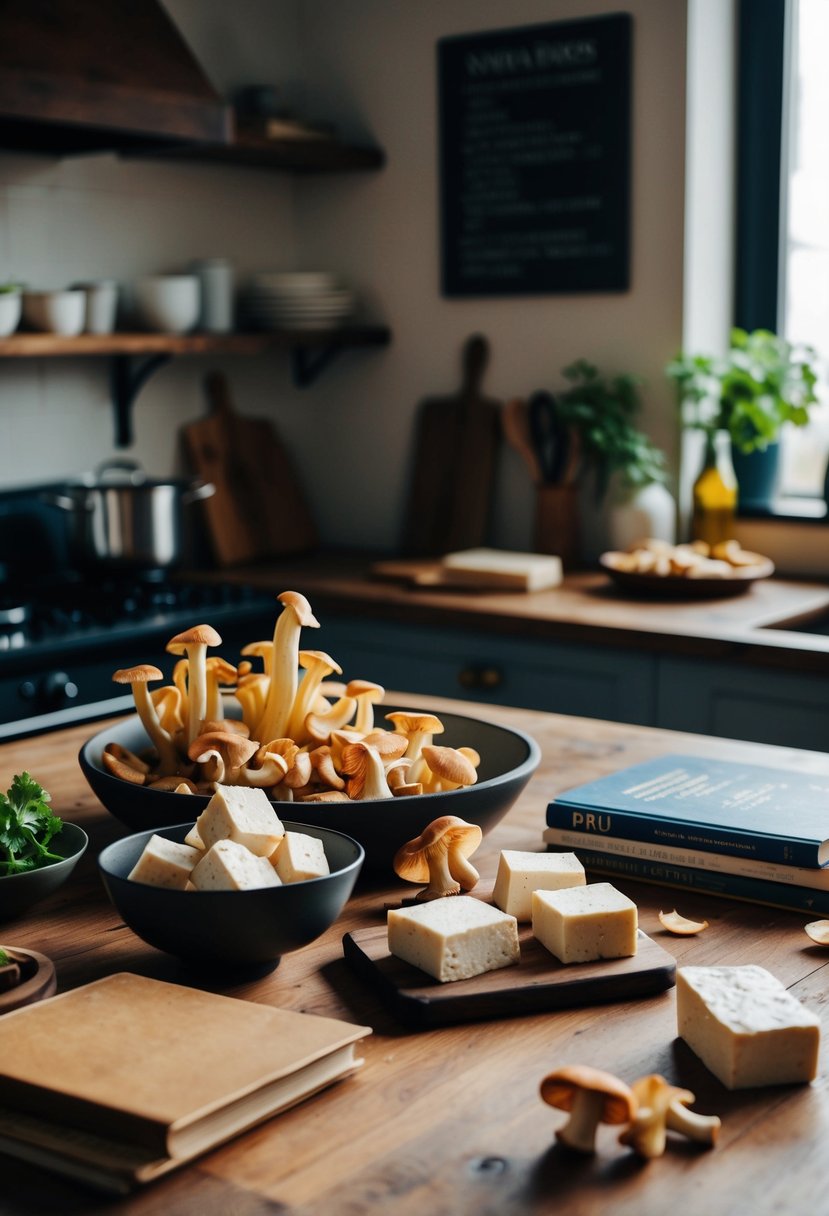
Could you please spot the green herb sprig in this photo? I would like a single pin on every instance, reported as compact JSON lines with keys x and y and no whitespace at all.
{"x":27,"y":826}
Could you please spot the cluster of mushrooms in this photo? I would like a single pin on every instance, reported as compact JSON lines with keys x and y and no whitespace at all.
{"x":309,"y":740}
{"x":651,"y":1107}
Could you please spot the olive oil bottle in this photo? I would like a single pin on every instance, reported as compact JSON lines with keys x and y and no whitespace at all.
{"x":715,"y":492}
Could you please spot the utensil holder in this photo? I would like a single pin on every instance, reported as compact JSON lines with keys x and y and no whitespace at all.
{"x":557,"y":527}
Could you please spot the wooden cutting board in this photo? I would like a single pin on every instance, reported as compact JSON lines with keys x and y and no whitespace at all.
{"x":259,"y":510}
{"x":456,"y":445}
{"x":539,"y":982}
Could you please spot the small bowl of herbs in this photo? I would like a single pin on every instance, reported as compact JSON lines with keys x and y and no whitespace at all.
{"x":38,"y":850}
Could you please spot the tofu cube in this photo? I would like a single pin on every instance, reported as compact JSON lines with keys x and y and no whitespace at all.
{"x":519,"y":874}
{"x":454,"y":938}
{"x":194,"y":839}
{"x":585,"y":923}
{"x":746,"y":1027}
{"x":165,"y":863}
{"x":229,"y":866}
{"x":299,"y":857}
{"x":243,"y":815}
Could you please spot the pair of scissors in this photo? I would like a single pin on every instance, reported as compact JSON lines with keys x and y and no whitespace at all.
{"x":550,"y":437}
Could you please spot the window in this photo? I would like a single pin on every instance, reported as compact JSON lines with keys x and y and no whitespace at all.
{"x":783,"y":203}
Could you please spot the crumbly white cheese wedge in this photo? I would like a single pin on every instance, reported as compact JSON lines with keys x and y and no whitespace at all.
{"x":228,"y":866}
{"x":299,"y":857}
{"x":454,"y":938}
{"x":745,"y":1027}
{"x":165,"y":863}
{"x":585,"y":923}
{"x":245,"y":815}
{"x":519,"y":874}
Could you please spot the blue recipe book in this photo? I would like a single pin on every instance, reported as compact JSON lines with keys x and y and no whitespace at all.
{"x":718,"y":806}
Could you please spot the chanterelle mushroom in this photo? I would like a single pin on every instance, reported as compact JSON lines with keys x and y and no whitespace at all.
{"x":139,"y":677}
{"x":194,"y":643}
{"x":592,"y":1097}
{"x":296,"y":612}
{"x":447,"y":769}
{"x":662,"y":1106}
{"x":367,"y":695}
{"x":317,"y":666}
{"x":417,"y":727}
{"x":223,"y":753}
{"x":439,"y":854}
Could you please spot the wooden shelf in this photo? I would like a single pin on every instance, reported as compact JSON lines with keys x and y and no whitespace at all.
{"x":322,"y":155}
{"x":44,"y":346}
{"x":133,"y":357}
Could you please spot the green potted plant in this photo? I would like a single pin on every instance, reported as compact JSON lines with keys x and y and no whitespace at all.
{"x":762,"y":383}
{"x":600,"y":412}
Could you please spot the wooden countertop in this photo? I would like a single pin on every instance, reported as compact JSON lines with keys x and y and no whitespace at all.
{"x":585,"y":608}
{"x":449,"y":1121}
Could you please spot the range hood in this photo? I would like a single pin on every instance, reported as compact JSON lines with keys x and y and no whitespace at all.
{"x":100,"y":75}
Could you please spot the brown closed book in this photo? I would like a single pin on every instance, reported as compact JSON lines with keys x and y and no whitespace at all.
{"x":163,"y":1071}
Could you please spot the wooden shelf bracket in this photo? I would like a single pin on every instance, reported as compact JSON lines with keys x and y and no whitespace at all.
{"x":128,"y":375}
{"x":308,"y":364}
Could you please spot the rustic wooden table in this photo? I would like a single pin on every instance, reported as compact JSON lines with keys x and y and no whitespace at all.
{"x":449,"y":1121}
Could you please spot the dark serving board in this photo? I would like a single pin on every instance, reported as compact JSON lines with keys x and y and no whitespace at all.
{"x":538,"y":983}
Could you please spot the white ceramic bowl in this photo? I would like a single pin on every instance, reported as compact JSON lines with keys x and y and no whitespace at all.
{"x":169,"y":302}
{"x":55,"y":312}
{"x":11,"y":307}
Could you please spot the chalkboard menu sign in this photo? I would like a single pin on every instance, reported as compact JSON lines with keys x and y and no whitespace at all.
{"x":535,"y":158}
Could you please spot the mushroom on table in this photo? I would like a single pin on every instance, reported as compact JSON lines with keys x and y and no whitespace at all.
{"x":663,"y":1107}
{"x":591,"y":1096}
{"x":440,"y":855}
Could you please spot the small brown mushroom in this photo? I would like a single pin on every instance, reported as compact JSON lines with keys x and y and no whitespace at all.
{"x":127,"y":757}
{"x":660,"y":1107}
{"x":323,"y":764}
{"x":366,"y":775}
{"x":173,"y":784}
{"x":121,"y":769}
{"x":326,"y":796}
{"x":388,"y":744}
{"x":419,"y":728}
{"x":194,"y":643}
{"x":139,"y":677}
{"x":222,"y":754}
{"x":439,"y":855}
{"x":317,"y":666}
{"x":446,"y":769}
{"x":319,"y":727}
{"x":591,"y":1096}
{"x":367,"y":695}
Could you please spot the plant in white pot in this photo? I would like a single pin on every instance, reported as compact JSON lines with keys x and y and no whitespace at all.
{"x":628,"y":469}
{"x":762,"y":384}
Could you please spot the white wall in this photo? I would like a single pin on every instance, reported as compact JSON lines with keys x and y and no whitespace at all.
{"x":370,"y":66}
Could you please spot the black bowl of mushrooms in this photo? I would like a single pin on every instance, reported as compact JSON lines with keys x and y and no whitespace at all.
{"x":379,"y":773}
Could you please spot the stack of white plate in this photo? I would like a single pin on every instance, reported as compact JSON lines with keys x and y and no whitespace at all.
{"x":298,"y":300}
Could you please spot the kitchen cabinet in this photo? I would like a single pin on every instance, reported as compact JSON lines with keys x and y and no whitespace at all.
{"x":713,"y":698}
{"x":593,"y":682}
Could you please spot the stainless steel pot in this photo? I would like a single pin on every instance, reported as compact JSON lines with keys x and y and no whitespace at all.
{"x":120,"y":517}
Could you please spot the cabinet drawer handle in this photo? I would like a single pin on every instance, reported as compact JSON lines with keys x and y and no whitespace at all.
{"x":480,"y":677}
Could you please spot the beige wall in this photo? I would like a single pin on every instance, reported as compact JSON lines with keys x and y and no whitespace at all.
{"x":369,"y":65}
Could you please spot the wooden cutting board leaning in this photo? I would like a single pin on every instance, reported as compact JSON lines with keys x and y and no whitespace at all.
{"x":259,"y":510}
{"x":456,"y":445}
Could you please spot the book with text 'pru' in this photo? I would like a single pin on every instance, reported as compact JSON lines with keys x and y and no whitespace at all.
{"x":717,"y":806}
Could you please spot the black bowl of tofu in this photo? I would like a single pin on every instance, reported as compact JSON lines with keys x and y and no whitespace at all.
{"x":508,"y":758}
{"x":222,"y":925}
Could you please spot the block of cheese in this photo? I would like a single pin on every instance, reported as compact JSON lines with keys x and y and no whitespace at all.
{"x":585,"y":923}
{"x":298,"y":857}
{"x":745,"y":1027}
{"x":241,"y":814}
{"x":193,"y":838}
{"x":165,"y":863}
{"x":454,"y":938}
{"x":503,"y":568}
{"x":519,"y":874}
{"x":229,"y":866}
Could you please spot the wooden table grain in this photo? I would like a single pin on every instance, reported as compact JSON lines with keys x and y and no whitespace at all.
{"x":449,"y":1121}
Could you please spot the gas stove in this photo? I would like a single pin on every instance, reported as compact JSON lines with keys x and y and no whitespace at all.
{"x":62,"y":637}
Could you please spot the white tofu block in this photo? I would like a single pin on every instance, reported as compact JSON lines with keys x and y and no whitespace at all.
{"x":745,"y":1027}
{"x":165,"y":863}
{"x":299,"y":857}
{"x":228,"y":866}
{"x":193,"y":838}
{"x":245,"y":815}
{"x":585,"y":923}
{"x":454,"y":938}
{"x":519,"y":874}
